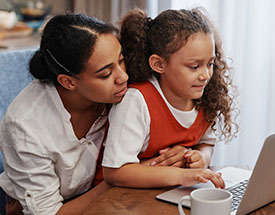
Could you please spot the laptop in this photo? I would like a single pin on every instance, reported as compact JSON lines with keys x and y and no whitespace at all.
{"x":257,"y":186}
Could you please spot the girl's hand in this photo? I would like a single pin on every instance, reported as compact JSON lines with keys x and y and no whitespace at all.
{"x":174,"y":156}
{"x":194,"y":176}
{"x":195,"y":159}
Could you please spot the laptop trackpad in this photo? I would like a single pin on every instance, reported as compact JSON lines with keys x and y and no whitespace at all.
{"x":174,"y":195}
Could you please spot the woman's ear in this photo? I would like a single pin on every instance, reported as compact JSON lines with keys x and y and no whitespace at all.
{"x":67,"y":82}
{"x":157,"y":63}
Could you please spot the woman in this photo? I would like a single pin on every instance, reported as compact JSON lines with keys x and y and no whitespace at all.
{"x":52,"y":133}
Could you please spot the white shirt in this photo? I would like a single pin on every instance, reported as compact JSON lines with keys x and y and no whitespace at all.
{"x":129,"y":130}
{"x":44,"y":161}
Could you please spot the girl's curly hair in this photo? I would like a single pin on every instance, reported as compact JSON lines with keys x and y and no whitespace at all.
{"x":140,"y":37}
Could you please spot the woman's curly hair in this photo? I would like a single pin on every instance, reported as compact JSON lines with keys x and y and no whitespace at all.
{"x":140,"y":37}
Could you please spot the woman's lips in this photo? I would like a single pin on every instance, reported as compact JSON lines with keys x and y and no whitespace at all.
{"x":121,"y":93}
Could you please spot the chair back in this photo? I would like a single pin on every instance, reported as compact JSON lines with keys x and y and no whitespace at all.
{"x":14,"y":75}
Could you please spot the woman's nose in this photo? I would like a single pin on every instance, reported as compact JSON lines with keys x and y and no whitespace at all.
{"x":122,"y":76}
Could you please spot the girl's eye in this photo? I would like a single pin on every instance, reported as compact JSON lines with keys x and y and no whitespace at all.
{"x":194,"y":67}
{"x":210,"y":64}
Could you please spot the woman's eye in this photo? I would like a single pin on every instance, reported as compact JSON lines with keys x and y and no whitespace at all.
{"x":121,"y":61}
{"x":106,"y":76}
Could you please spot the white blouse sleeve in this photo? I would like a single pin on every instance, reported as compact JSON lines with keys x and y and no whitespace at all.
{"x":34,"y":182}
{"x":128,"y":132}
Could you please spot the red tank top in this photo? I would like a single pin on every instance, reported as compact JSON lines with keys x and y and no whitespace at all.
{"x":165,"y":130}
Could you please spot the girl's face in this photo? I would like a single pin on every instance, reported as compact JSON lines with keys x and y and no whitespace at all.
{"x":188,"y":71}
{"x":104,"y":79}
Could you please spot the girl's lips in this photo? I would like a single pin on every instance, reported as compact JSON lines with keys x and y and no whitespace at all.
{"x":122,"y":92}
{"x":199,"y":86}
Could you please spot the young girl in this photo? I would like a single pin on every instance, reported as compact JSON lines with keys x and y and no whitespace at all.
{"x":179,"y":90}
{"x":52,"y":133}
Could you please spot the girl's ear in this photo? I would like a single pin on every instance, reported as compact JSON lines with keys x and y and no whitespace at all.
{"x":157,"y":63}
{"x":67,"y":82}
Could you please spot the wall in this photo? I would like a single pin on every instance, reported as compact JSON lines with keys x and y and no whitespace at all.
{"x":107,"y":10}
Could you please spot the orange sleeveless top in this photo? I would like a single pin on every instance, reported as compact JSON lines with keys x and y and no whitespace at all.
{"x":165,"y":130}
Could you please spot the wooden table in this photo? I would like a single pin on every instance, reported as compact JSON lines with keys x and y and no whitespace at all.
{"x":127,"y":201}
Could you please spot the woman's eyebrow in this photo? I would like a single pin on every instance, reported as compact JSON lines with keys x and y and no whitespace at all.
{"x":104,"y":67}
{"x":108,"y":65}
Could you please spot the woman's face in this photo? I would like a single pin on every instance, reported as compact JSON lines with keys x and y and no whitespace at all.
{"x":104,"y":79}
{"x":188,"y":71}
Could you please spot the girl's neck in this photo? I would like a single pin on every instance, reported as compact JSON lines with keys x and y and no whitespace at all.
{"x":177,"y":102}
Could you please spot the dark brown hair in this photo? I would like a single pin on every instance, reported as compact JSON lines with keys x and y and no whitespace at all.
{"x":67,"y":43}
{"x":141,"y":37}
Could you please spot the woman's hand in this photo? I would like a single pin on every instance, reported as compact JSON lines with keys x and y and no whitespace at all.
{"x":174,"y":156}
{"x":183,"y":157}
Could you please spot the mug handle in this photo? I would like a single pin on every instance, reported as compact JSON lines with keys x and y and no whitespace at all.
{"x":180,"y":204}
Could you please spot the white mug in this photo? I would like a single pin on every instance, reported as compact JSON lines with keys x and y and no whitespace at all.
{"x":208,"y":201}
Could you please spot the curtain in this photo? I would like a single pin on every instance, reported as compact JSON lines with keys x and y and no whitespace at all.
{"x":112,"y":10}
{"x":107,"y":10}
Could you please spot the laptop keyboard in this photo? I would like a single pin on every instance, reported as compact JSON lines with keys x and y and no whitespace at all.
{"x":237,"y":193}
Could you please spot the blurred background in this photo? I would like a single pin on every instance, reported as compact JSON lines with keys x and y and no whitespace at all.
{"x":247,"y":28}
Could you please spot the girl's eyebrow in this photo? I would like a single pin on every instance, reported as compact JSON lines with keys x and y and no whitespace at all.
{"x":107,"y":66}
{"x":198,"y":60}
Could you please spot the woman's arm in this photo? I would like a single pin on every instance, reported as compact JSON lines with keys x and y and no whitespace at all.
{"x":180,"y":156}
{"x":142,"y":176}
{"x":79,"y":204}
{"x":171,"y":156}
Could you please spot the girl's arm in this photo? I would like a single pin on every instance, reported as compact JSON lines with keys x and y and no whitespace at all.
{"x":142,"y":176}
{"x":79,"y":204}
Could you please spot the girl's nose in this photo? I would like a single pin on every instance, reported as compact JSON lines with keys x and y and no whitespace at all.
{"x":205,"y":74}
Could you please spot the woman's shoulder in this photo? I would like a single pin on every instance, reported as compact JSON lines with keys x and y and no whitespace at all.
{"x":26,"y":101}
